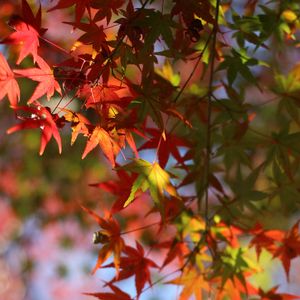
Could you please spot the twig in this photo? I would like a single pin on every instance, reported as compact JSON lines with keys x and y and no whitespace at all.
{"x":209,"y":113}
{"x":194,"y":69}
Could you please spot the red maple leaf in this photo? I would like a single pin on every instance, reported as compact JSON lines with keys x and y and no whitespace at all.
{"x":8,"y":84}
{"x":27,"y":31}
{"x":44,"y":75}
{"x":94,"y":35}
{"x":265,"y":239}
{"x":135,"y":264}
{"x":167,"y":145}
{"x":40,"y":117}
{"x":106,"y":8}
{"x":110,"y":237}
{"x":80,"y":6}
{"x":117,"y":295}
{"x":177,"y":249}
{"x":28,"y":39}
{"x":272,"y":294}
{"x":100,"y":95}
{"x":290,"y":248}
{"x":120,"y":187}
{"x":34,"y":20}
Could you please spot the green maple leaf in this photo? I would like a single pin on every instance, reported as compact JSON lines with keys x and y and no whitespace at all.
{"x":151,"y":177}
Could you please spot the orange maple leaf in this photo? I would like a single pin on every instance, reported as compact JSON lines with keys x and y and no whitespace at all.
{"x":102,"y":138}
{"x":79,"y":124}
{"x":110,"y":237}
{"x":193,"y":283}
{"x":234,"y":289}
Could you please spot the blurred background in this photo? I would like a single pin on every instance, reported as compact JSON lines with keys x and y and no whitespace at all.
{"x":46,"y":249}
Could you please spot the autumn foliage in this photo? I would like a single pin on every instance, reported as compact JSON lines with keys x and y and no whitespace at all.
{"x":194,"y":106}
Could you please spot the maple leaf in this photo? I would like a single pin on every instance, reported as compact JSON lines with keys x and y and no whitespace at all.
{"x":100,"y":95}
{"x":265,"y":239}
{"x":230,"y":274}
{"x":41,"y":117}
{"x":193,"y":283}
{"x":235,"y":289}
{"x":44,"y":75}
{"x":106,"y":8}
{"x":80,"y":6}
{"x":135,"y":264}
{"x":110,"y":237}
{"x":102,"y":138}
{"x":27,"y":31}
{"x":152,"y":177}
{"x":228,"y":233}
{"x":120,"y":136}
{"x":130,"y":140}
{"x":94,"y":35}
{"x":290,"y":248}
{"x":117,"y":295}
{"x":8,"y":84}
{"x":119,"y":128}
{"x":167,"y":145}
{"x":177,"y":249}
{"x":26,"y":36}
{"x":79,"y":124}
{"x":190,"y":8}
{"x":272,"y":294}
{"x":34,"y":20}
{"x":120,"y":187}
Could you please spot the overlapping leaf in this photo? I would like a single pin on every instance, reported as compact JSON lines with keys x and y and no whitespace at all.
{"x":101,"y":95}
{"x":167,"y":145}
{"x":79,"y":124}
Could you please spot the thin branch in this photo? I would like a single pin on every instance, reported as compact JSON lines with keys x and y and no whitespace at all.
{"x":194,"y":69}
{"x":209,"y":117}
